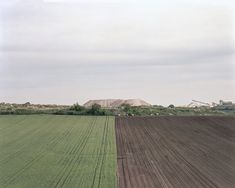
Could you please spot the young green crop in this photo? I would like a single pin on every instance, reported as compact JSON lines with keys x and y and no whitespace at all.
{"x":57,"y":151}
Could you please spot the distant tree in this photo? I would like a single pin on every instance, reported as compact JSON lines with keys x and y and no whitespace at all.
{"x":26,"y":104}
{"x":126,"y":107}
{"x":96,"y":109}
{"x":171,"y":106}
{"x":77,"y":107}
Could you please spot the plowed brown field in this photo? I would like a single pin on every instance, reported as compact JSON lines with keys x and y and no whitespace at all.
{"x":176,"y":152}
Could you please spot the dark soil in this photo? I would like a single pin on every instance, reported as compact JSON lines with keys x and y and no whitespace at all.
{"x":175,"y":152}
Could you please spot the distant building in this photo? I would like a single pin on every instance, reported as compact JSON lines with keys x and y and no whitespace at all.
{"x":225,"y":103}
{"x":196,"y":103}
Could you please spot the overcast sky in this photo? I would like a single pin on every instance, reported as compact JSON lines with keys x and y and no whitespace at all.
{"x":162,"y":51}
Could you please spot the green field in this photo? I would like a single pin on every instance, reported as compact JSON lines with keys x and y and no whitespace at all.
{"x":57,"y":151}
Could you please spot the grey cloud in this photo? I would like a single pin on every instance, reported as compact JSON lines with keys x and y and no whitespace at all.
{"x":150,"y":50}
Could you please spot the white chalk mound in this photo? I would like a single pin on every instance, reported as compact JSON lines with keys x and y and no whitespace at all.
{"x":113,"y":103}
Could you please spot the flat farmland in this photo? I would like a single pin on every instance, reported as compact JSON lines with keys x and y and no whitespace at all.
{"x":175,"y":152}
{"x":57,"y":151}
